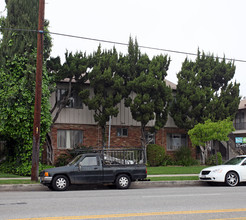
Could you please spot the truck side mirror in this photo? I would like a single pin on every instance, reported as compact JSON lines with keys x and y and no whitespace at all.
{"x":80,"y":164}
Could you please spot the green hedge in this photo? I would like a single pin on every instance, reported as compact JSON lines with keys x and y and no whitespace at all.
{"x":155,"y":155}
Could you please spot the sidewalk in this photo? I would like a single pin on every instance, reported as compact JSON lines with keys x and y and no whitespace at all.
{"x":21,"y":178}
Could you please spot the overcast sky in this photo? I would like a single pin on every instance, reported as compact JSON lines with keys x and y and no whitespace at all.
{"x":214,"y":26}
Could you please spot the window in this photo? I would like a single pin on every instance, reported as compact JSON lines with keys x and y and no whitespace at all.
{"x":122,"y":132}
{"x":67,"y":139}
{"x":150,"y":137}
{"x":89,"y":161}
{"x":240,"y":122}
{"x":175,"y":141}
{"x":74,"y":101}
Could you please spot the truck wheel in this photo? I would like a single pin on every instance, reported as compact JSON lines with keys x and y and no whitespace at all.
{"x":60,"y":183}
{"x":123,"y":181}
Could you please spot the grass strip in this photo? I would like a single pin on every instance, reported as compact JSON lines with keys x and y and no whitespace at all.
{"x":17,"y":181}
{"x":174,"y":170}
{"x":7,"y":175}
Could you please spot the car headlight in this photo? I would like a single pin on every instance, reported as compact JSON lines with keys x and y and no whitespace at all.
{"x":46,"y":174}
{"x":217,"y":170}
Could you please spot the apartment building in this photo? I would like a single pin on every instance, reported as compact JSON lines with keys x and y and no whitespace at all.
{"x":75,"y":126}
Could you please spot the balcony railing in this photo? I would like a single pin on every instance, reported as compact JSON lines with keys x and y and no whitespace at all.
{"x":240,"y":126}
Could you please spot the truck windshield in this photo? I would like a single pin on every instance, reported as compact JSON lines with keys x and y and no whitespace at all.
{"x":75,"y":160}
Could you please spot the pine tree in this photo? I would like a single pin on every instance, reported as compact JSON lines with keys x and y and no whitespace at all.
{"x":19,"y":33}
{"x":150,"y":96}
{"x":17,"y":70}
{"x":107,"y":87}
{"x":205,"y":91}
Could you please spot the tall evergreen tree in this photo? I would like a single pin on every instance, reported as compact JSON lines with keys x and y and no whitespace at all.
{"x":205,"y":91}
{"x":18,"y":68}
{"x":150,"y":96}
{"x":107,"y":87}
{"x":19,"y":33}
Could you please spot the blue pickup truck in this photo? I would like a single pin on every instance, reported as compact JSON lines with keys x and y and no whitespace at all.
{"x":115,"y":167}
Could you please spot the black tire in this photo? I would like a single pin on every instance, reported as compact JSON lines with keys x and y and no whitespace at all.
{"x":232,"y":178}
{"x":60,"y":183}
{"x":123,"y":181}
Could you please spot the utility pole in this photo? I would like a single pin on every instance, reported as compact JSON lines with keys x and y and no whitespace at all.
{"x":38,"y":93}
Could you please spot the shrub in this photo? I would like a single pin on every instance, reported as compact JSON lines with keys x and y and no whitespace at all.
{"x":63,"y":160}
{"x":168,"y":161}
{"x":183,"y":157}
{"x":155,"y":155}
{"x":21,"y":170}
{"x":212,"y":159}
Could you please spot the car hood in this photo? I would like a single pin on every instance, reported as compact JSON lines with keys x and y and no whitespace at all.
{"x":222,"y":167}
{"x":62,"y":169}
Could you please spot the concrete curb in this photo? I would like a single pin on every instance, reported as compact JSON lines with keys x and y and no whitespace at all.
{"x":147,"y":184}
{"x":23,"y":187}
{"x":135,"y":185}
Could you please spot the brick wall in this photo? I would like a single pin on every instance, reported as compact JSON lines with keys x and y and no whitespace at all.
{"x":92,"y":137}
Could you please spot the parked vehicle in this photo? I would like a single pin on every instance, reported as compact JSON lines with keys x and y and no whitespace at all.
{"x":119,"y":167}
{"x":232,"y":172}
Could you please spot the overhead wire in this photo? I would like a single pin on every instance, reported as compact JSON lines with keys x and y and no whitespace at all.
{"x":119,"y":43}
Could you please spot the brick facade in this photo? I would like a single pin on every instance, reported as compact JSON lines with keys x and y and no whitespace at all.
{"x":92,"y":137}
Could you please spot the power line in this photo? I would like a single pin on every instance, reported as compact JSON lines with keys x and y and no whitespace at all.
{"x":119,"y":43}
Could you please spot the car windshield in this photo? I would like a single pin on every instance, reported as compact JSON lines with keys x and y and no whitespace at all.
{"x":75,"y":160}
{"x":235,"y":161}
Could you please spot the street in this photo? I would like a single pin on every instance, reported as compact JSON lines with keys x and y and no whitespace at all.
{"x":203,"y":202}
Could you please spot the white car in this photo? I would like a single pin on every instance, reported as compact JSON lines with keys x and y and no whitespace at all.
{"x":232,"y":172}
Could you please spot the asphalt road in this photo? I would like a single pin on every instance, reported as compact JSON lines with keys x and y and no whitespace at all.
{"x":203,"y":202}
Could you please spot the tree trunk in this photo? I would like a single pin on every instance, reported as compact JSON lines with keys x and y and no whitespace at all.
{"x":62,"y":103}
{"x":144,"y":142}
{"x":103,"y":136}
{"x":203,"y":154}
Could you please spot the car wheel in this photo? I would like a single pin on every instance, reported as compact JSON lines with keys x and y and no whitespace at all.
{"x":123,"y":181}
{"x":231,"y":178}
{"x":60,"y":183}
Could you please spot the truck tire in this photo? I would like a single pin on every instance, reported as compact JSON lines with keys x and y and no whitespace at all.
{"x":60,"y":183}
{"x":123,"y":181}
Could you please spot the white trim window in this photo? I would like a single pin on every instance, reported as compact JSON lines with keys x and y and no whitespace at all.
{"x":73,"y":102}
{"x":68,"y":139}
{"x":150,"y":137}
{"x":122,"y":132}
{"x":176,"y":141}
